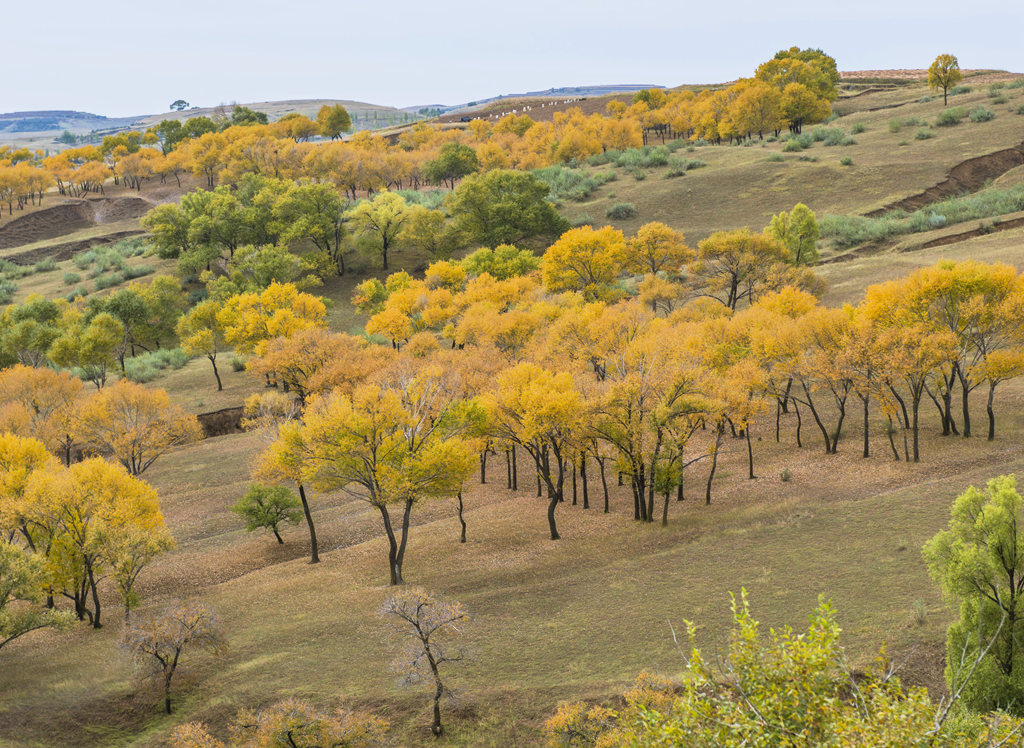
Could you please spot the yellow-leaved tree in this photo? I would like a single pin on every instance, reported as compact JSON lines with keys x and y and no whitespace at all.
{"x":135,"y":424}
{"x":249,"y":320}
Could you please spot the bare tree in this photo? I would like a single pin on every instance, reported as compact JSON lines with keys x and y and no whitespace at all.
{"x":158,"y":641}
{"x":428,"y":624}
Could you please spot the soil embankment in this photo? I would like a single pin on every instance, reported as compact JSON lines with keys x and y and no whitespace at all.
{"x":967,"y":176}
{"x":69,"y":216}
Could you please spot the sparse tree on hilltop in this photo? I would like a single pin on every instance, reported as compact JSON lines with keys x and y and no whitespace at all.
{"x":944,"y":73}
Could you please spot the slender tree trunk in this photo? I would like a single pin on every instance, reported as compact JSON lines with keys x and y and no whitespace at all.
{"x":95,"y":599}
{"x":400,"y":556}
{"x":314,"y":551}
{"x":508,"y":469}
{"x":574,"y":485}
{"x":892,"y":441}
{"x":867,"y":429}
{"x":515,"y":477}
{"x":799,"y":423}
{"x":278,"y":536}
{"x":583,"y":480}
{"x":965,"y":394}
{"x":750,"y":454}
{"x":462,"y":521}
{"x":604,"y":484}
{"x":991,"y":412}
{"x":714,"y":461}
{"x":916,"y":407}
{"x":817,"y":419}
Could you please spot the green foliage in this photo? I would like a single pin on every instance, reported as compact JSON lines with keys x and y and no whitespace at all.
{"x":799,"y":231}
{"x":571,"y":184}
{"x":71,"y":278}
{"x":237,"y":363}
{"x":147,"y":366}
{"x":923,"y":133}
{"x":950,"y":117}
{"x":783,"y":689}
{"x":454,"y":161}
{"x":45,"y":265}
{"x":977,"y":562}
{"x":846,"y":161}
{"x":266,"y":507}
{"x":7,"y":290}
{"x":798,"y":143}
{"x":1016,"y":83}
{"x":244,"y":116}
{"x":102,"y":282}
{"x":504,"y":207}
{"x":23,"y":579}
{"x":621,"y":211}
{"x":502,"y":263}
{"x":852,"y":230}
{"x":957,"y":90}
{"x":895,"y":124}
{"x":857,"y":128}
{"x":775,"y":157}
{"x":677,"y":166}
{"x":982,"y":114}
{"x":430,"y":199}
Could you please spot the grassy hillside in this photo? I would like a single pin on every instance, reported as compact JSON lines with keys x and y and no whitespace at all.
{"x":578,"y":618}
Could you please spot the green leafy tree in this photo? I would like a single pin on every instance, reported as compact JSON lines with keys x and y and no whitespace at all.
{"x":244,"y":116}
{"x":798,"y":230}
{"x":454,"y":162}
{"x":202,"y":334}
{"x":178,"y":105}
{"x":28,"y":330}
{"x":315,"y":212}
{"x":23,"y":580}
{"x":267,"y":507}
{"x":503,"y":262}
{"x":944,"y":73}
{"x":170,"y":132}
{"x":196,"y":126}
{"x":379,"y":222}
{"x":504,"y":207}
{"x":979,"y":563}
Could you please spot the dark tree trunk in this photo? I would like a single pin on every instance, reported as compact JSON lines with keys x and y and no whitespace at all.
{"x":314,"y":551}
{"x":462,"y":521}
{"x":720,"y":432}
{"x":604,"y":484}
{"x":583,"y":480}
{"x":750,"y":454}
{"x":991,"y":412}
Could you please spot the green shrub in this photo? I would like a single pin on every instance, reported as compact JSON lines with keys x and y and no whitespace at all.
{"x":957,"y":90}
{"x":775,"y":157}
{"x":1018,"y":83}
{"x":903,"y":143}
{"x":895,"y":125}
{"x":130,"y":247}
{"x":677,"y":166}
{"x":45,"y":265}
{"x":792,"y":146}
{"x":995,"y":87}
{"x":950,"y":117}
{"x":432,"y":199}
{"x":139,"y":371}
{"x":645,"y":158}
{"x":7,"y":290}
{"x":1020,"y":109}
{"x":848,"y":231}
{"x":923,"y":133}
{"x":83,"y":260}
{"x":583,"y":220}
{"x":237,"y":363}
{"x":138,"y":271}
{"x":857,"y":128}
{"x":913,"y":122}
{"x":925,"y":99}
{"x":71,"y":279}
{"x":838,"y":137}
{"x":600,"y":159}
{"x":999,"y":100}
{"x":568,"y":184}
{"x":78,"y":293}
{"x":982,"y":114}
{"x":846,"y":161}
{"x":812,"y":159}
{"x":621,"y":211}
{"x":102,"y":282}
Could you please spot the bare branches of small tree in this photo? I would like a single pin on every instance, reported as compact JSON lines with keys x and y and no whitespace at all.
{"x":429,"y":625}
{"x":157,"y":641}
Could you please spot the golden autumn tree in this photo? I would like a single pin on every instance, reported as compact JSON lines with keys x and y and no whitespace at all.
{"x":544,"y":414}
{"x":250,"y":320}
{"x":84,"y":513}
{"x":40,"y":402}
{"x":390,"y":443}
{"x":944,"y":73}
{"x":136,"y":424}
{"x":201,"y":333}
{"x":586,"y":260}
{"x":737,"y":265}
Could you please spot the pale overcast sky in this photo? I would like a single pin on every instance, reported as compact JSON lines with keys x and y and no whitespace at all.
{"x":127,"y":58}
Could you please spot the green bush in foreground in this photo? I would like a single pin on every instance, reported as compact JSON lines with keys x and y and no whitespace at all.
{"x":783,"y":689}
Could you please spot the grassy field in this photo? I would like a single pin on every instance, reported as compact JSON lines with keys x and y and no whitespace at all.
{"x":578,"y":618}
